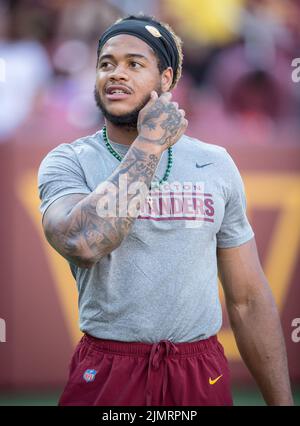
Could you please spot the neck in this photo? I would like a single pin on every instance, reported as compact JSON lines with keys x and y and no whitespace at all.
{"x":119,"y":134}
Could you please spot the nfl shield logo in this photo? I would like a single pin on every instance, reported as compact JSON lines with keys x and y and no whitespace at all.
{"x":89,"y":375}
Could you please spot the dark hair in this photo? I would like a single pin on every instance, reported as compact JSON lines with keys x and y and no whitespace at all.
{"x":177,"y":40}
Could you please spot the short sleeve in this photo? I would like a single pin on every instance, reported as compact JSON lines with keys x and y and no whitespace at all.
{"x":235,"y":228}
{"x":60,"y":174}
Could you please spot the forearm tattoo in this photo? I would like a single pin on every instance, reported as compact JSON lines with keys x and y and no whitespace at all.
{"x":84,"y":237}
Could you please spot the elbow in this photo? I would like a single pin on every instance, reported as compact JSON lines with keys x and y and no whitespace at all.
{"x":83,"y":262}
{"x":79,"y":250}
{"x":87,"y":258}
{"x":82,"y":258}
{"x":257,"y":305}
{"x":72,"y":251}
{"x":238,"y":310}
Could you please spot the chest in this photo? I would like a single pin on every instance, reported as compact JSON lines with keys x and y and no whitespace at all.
{"x":193,"y":198}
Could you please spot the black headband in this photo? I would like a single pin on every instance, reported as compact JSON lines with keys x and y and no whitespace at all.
{"x":155,"y":35}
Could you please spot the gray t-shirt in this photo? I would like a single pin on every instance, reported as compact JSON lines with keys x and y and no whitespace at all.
{"x":161,"y":282}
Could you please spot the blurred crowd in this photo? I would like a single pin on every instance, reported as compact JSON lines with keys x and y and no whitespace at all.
{"x":237,"y":85}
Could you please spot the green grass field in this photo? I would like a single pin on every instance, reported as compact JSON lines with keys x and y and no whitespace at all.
{"x":241,"y":397}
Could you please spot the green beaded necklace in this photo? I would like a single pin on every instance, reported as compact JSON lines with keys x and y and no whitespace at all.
{"x":119,"y":157}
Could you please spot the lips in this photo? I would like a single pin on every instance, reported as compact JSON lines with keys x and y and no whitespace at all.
{"x":117,"y":92}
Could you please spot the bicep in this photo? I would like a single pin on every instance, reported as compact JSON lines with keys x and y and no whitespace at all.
{"x":241,"y":273}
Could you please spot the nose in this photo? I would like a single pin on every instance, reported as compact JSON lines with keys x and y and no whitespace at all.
{"x":118,"y":73}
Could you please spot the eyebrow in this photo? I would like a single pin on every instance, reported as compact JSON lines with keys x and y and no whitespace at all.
{"x":128,"y":55}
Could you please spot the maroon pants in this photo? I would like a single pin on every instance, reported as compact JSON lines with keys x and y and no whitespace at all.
{"x":108,"y":372}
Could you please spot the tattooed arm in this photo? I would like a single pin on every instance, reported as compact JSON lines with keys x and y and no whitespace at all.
{"x":75,"y":224}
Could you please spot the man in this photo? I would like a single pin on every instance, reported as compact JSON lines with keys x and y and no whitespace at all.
{"x":146,"y":217}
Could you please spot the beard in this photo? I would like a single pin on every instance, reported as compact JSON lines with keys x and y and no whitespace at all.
{"x":128,"y":120}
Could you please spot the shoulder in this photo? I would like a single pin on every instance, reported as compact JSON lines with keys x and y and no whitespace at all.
{"x":189,"y":146}
{"x":68,"y":152}
{"x":86,"y":144}
{"x":223,"y":168}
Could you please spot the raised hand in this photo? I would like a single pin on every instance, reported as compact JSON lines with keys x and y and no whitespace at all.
{"x":161,"y":122}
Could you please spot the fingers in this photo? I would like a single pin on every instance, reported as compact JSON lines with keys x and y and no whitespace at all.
{"x":166,"y":96}
{"x":153,"y":98}
{"x":167,"y":119}
{"x":154,"y":95}
{"x":166,"y":99}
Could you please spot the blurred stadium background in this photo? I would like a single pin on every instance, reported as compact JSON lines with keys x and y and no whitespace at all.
{"x":238,"y":91}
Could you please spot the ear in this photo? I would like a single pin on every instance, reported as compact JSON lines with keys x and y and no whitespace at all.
{"x":166,"y":79}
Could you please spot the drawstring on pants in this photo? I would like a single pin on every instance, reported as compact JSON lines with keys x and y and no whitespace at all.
{"x":159,"y":351}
